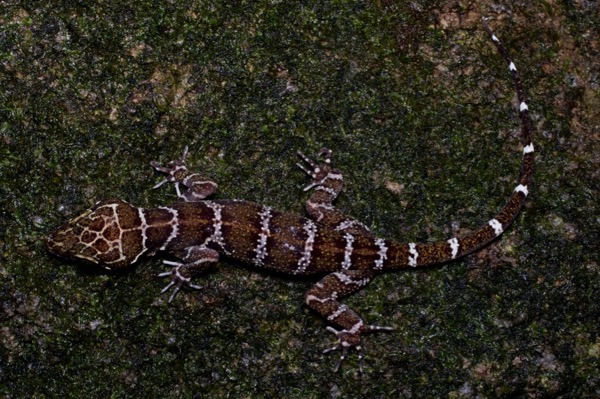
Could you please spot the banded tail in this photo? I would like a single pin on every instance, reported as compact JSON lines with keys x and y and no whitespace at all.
{"x":423,"y":254}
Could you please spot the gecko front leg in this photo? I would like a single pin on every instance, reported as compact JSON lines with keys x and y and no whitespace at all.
{"x":198,"y":186}
{"x":195,"y":259}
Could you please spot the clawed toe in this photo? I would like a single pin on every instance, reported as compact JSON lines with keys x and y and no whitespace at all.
{"x":175,"y":170}
{"x":317,"y":172}
{"x":178,"y":279}
{"x":347,"y":339}
{"x":314,"y":167}
{"x":325,"y":153}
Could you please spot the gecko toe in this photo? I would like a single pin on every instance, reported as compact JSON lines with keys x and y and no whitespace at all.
{"x":178,"y":280}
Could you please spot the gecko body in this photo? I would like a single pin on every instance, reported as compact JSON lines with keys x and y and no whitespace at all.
{"x":197,"y":231}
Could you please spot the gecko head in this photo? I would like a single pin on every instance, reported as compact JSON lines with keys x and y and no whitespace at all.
{"x":104,"y":235}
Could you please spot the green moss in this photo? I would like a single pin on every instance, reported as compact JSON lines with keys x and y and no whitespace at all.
{"x":91,"y":93}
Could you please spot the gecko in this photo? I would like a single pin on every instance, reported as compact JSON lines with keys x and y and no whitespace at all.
{"x":197,"y":231}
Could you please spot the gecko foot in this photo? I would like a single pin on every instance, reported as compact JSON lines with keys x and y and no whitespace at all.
{"x":197,"y":187}
{"x":175,"y":170}
{"x":317,"y":172}
{"x":178,"y":279}
{"x":351,"y":339}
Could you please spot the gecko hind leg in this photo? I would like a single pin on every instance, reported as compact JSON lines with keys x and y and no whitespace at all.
{"x":324,"y":297}
{"x":198,"y":186}
{"x":327,"y":183}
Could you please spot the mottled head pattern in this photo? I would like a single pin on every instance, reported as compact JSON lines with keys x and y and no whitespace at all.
{"x":110,"y":235}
